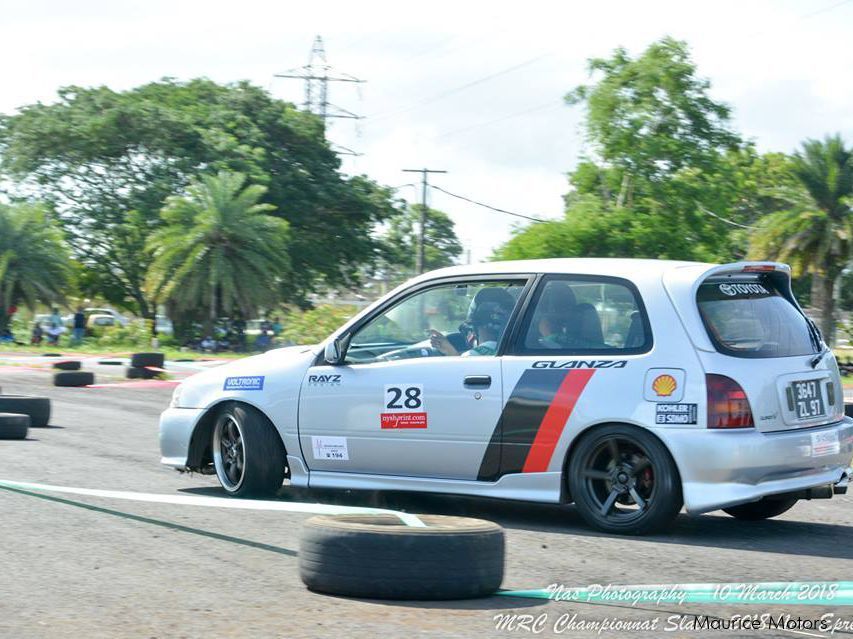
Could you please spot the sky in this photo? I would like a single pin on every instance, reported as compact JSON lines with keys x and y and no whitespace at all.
{"x":473,"y":88}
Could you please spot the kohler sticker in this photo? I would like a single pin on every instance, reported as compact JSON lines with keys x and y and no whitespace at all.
{"x":675,"y":413}
{"x":581,"y":363}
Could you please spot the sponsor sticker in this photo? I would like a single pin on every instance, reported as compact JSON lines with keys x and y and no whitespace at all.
{"x":403,"y":420}
{"x":676,"y":414}
{"x":664,"y":385}
{"x":825,"y":444}
{"x":743,"y":289}
{"x":327,"y":379}
{"x":581,"y":363}
{"x":248,"y":383}
{"x":334,"y":448}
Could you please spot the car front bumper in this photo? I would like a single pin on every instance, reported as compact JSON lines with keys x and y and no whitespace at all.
{"x":176,"y":429}
{"x":721,"y":468}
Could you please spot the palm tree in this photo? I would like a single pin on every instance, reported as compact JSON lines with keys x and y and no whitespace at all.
{"x":219,"y":249}
{"x":816,"y":234}
{"x":34,"y":262}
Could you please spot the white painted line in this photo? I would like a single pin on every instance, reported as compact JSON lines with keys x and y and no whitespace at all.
{"x":218,"y":502}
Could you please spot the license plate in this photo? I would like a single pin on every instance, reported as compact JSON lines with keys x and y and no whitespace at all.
{"x":825,"y":444}
{"x":808,"y":400}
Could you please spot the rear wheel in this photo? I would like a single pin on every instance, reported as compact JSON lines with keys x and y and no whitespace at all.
{"x":248,"y":454}
{"x":624,"y":481}
{"x":762,"y":509}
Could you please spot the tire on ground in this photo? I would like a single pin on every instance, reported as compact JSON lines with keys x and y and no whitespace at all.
{"x":134,"y":372}
{"x":378,"y":557}
{"x":37,"y":408}
{"x":264,"y":458}
{"x":74,"y":378}
{"x":141,"y":360}
{"x":662,"y":505}
{"x":110,"y":362}
{"x":70,"y":365}
{"x":761,"y":509}
{"x":14,"y":426}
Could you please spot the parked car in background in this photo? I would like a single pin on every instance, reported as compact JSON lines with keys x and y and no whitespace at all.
{"x":101,"y":320}
{"x":164,"y":325}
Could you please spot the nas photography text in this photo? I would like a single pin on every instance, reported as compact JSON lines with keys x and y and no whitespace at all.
{"x":549,"y":623}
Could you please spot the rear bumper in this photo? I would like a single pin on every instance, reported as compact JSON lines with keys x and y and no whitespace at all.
{"x":725,"y":468}
{"x":176,"y":429}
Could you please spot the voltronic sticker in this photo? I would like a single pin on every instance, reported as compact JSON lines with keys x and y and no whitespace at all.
{"x":330,"y":448}
{"x":249,"y":383}
{"x":403,"y":407}
{"x":676,"y":414}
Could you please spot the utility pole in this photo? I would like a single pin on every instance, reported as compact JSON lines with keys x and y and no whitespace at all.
{"x":316,"y":75}
{"x":424,"y":172}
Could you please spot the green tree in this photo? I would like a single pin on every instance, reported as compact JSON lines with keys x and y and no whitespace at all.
{"x":220,"y":249}
{"x":815,"y":233}
{"x":400,"y":243}
{"x":107,"y":160}
{"x":34,"y":261}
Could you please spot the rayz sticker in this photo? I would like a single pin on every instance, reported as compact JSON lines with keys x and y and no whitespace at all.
{"x":403,"y":407}
{"x":253,"y":383}
{"x":334,"y":448}
{"x":675,"y":414}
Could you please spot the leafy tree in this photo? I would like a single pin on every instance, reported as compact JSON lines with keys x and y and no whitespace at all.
{"x":220,"y":249}
{"x":107,"y":161}
{"x":400,"y":243}
{"x":34,"y":261}
{"x":815,"y":233}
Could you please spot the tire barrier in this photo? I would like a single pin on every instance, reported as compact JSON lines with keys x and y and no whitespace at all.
{"x":14,"y":426}
{"x":110,"y":362}
{"x":73,"y":378}
{"x":67,"y":365}
{"x":36,"y":408}
{"x":135,"y":372}
{"x":143,"y":360}
{"x":379,"y":557}
{"x":51,"y":354}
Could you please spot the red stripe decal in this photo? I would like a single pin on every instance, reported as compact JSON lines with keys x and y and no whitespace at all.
{"x":555,"y":420}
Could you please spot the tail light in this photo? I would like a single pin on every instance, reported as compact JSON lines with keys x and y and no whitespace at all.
{"x":728,"y":406}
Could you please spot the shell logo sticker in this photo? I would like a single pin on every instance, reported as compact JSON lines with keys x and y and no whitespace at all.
{"x":664,"y":385}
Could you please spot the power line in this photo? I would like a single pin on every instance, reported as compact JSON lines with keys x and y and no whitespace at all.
{"x":487,"y":206}
{"x":548,"y":105}
{"x":722,"y":219}
{"x":422,"y":233}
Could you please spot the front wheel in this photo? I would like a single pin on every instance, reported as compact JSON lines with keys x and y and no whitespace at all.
{"x":248,"y":455}
{"x":623,"y":481}
{"x":761,"y":509}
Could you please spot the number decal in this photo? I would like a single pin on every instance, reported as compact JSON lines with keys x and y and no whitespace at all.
{"x":404,"y":397}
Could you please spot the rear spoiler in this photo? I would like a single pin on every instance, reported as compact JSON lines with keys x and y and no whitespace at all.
{"x":682,"y":284}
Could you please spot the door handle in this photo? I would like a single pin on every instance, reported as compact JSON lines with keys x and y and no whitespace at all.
{"x":482,"y":381}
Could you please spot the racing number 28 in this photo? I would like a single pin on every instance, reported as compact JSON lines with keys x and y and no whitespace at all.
{"x":403,"y":397}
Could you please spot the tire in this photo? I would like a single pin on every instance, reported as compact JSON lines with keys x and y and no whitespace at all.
{"x":623,"y":481}
{"x":73,"y":378}
{"x":36,"y":408}
{"x":67,"y":366}
{"x":141,"y":360}
{"x":140,"y":373}
{"x":378,"y":557}
{"x":761,"y":509}
{"x":14,"y":426}
{"x":110,"y":362}
{"x":51,"y":354}
{"x":248,"y":454}
{"x":848,"y":410}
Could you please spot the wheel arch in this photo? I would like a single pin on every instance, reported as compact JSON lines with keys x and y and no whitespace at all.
{"x":200,"y":454}
{"x":565,"y":488}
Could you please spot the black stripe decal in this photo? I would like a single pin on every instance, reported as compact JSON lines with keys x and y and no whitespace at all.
{"x":519,"y":422}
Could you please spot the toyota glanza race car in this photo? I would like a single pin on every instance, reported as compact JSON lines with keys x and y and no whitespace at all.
{"x":629,"y":387}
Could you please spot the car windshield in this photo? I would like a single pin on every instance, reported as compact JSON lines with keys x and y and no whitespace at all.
{"x":751,"y":318}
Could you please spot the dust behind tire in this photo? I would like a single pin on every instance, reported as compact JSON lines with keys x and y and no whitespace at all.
{"x":14,"y":426}
{"x":761,"y":509}
{"x":379,"y":557}
{"x":73,"y":378}
{"x":248,"y":454}
{"x":141,"y":360}
{"x":36,"y":408}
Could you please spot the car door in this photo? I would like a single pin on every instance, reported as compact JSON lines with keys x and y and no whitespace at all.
{"x":399,"y":406}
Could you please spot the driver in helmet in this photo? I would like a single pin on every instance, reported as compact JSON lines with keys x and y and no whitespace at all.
{"x":487,"y":319}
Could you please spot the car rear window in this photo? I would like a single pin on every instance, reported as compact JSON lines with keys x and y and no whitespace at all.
{"x":751,"y":318}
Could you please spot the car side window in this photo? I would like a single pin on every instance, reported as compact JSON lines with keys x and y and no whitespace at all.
{"x":585,"y":315}
{"x":466,"y":319}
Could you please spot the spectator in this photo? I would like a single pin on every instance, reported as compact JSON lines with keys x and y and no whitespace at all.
{"x":54,"y":332}
{"x":263,"y":341}
{"x":207,"y":344}
{"x":55,"y":317}
{"x":276,"y":326}
{"x":6,"y":336}
{"x":79,"y":326}
{"x":37,"y":335}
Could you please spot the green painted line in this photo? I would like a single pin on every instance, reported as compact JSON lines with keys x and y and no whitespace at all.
{"x":157,"y":522}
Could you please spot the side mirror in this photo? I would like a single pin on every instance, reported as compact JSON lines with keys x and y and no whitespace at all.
{"x":334,"y":353}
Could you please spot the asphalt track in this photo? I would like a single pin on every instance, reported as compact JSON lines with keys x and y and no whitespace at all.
{"x":74,"y":566}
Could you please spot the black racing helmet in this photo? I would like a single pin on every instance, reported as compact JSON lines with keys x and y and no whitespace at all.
{"x":490,"y":308}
